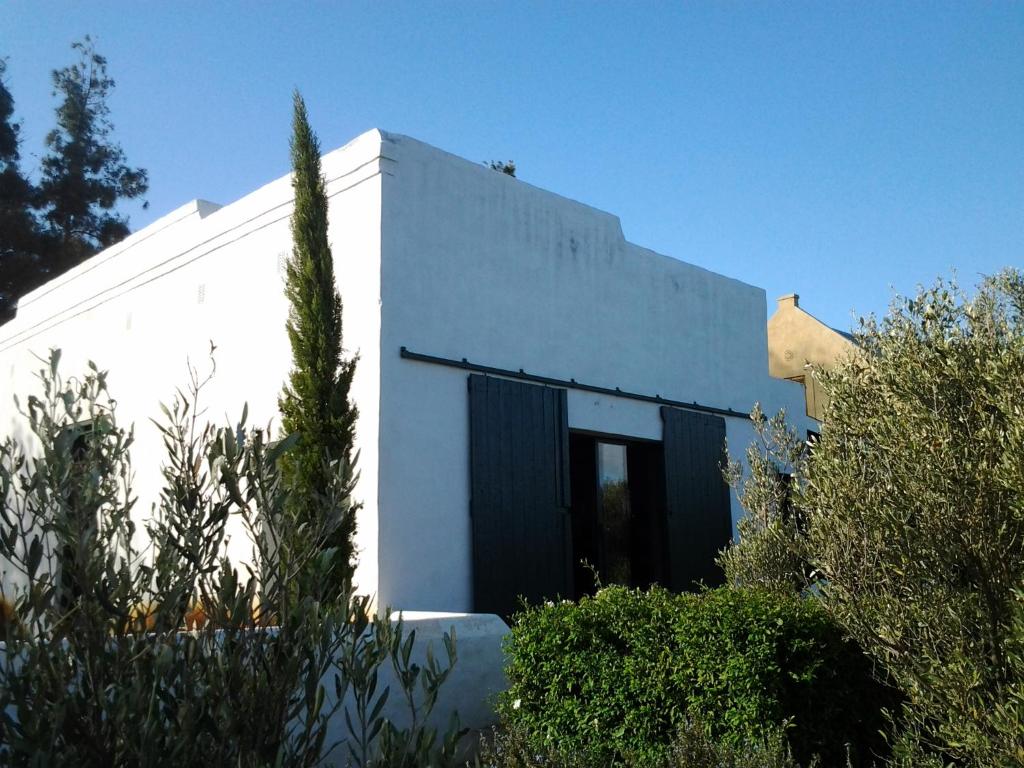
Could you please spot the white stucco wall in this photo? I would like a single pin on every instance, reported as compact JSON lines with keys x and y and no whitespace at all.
{"x":438,"y":254}
{"x":471,"y":689}
{"x":432,"y":252}
{"x":145,"y":307}
{"x":479,"y":265}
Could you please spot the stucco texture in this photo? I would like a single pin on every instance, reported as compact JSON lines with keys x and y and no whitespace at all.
{"x":796,"y":340}
{"x":435,"y":253}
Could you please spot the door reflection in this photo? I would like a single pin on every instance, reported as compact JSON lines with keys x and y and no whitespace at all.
{"x":614,"y":513}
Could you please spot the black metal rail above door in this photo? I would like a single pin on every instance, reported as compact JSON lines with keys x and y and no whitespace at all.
{"x":522,"y":375}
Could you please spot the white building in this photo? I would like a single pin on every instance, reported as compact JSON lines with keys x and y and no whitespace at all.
{"x":521,"y":366}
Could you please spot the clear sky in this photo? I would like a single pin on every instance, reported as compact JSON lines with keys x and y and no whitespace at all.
{"x":842,"y":151}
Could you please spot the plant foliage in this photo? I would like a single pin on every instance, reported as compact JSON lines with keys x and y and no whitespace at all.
{"x":48,"y":228}
{"x":129,"y":650}
{"x":620,"y":673}
{"x":691,"y":748}
{"x":315,"y":404}
{"x":502,"y":166}
{"x":19,"y":231}
{"x":913,"y":515}
{"x":917,"y":492}
{"x":771,"y":551}
{"x":84,"y":173}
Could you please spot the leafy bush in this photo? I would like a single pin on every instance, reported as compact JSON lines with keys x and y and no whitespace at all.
{"x":620,"y":673}
{"x":97,"y":669}
{"x":913,"y":514}
{"x":692,"y":748}
{"x":753,"y":661}
{"x":512,"y":747}
{"x":771,"y":550}
{"x":596,"y":673}
{"x":917,"y":492}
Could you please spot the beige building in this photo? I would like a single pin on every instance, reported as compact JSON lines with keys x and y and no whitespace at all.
{"x":796,"y":338}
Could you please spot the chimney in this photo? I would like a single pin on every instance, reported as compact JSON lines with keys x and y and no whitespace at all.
{"x":789,"y":300}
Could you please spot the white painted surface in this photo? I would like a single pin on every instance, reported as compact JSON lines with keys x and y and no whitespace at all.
{"x":476,"y":679}
{"x":479,"y":265}
{"x":432,"y":252}
{"x":144,"y":308}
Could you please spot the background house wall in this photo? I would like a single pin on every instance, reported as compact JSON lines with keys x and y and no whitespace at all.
{"x":478,"y":265}
{"x":796,"y":338}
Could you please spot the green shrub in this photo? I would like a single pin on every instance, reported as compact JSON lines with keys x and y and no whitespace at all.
{"x":595,"y":672}
{"x":908,"y":515}
{"x":514,"y":748}
{"x":95,"y":666}
{"x":692,"y":748}
{"x":620,"y":673}
{"x":917,"y":492}
{"x":750,"y":661}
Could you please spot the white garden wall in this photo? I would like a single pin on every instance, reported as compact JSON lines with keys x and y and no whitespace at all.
{"x":471,"y":690}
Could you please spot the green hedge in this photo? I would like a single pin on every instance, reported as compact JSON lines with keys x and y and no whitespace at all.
{"x":692,"y":748}
{"x":623,"y":671}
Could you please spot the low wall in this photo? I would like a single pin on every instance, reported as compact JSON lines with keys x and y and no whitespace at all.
{"x":477,"y":678}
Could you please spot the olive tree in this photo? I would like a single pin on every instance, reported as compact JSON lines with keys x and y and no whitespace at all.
{"x":911,"y":509}
{"x":771,"y":550}
{"x":124,"y":649}
{"x":917,"y":496}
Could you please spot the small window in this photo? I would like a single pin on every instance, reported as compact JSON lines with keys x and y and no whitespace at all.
{"x":614,"y":512}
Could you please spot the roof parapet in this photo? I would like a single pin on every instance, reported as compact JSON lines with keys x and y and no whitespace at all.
{"x":789,"y":300}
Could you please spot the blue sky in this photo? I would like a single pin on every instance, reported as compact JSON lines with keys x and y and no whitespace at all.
{"x":842,"y":151}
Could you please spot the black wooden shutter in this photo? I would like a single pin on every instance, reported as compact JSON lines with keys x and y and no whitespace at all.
{"x":519,"y":480}
{"x":696,"y":495}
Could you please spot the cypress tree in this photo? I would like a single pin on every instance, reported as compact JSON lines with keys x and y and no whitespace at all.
{"x":315,"y":402}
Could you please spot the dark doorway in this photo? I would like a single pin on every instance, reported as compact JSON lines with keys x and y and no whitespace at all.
{"x":544,"y":500}
{"x":618,"y":511}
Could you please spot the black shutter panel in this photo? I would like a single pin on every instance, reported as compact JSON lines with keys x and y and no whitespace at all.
{"x":696,"y":495}
{"x":519,"y":481}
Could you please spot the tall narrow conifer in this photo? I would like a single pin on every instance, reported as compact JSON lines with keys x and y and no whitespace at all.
{"x":315,"y":401}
